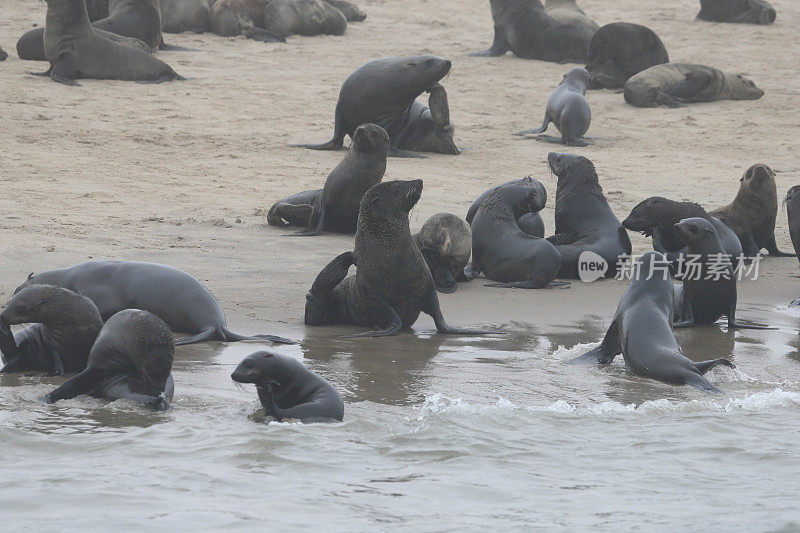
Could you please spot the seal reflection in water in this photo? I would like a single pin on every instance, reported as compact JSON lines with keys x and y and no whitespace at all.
{"x":642,"y":331}
{"x":287,"y":389}
{"x":131,"y":359}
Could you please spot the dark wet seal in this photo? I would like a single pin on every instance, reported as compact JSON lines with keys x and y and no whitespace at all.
{"x":621,"y":50}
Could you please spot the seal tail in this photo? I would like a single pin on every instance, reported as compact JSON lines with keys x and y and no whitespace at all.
{"x":338,"y":135}
{"x":229,"y":336}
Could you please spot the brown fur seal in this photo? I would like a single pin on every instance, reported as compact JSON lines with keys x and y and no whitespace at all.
{"x":525,"y":28}
{"x":303,"y":17}
{"x":752,"y":213}
{"x":65,"y":325}
{"x":335,"y":207}
{"x":743,"y":11}
{"x":131,"y":359}
{"x":792,"y":203}
{"x":530,"y":223}
{"x":350,"y":11}
{"x":241,"y":17}
{"x":676,"y":84}
{"x":445,"y":241}
{"x":392,"y":284}
{"x":620,"y":50}
{"x":178,"y":16}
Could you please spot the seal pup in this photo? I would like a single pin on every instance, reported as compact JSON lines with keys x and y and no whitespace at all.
{"x":229,"y":18}
{"x":530,"y":223}
{"x":753,"y":212}
{"x":445,"y":241}
{"x":620,"y":50}
{"x":584,"y":220}
{"x":384,"y":91}
{"x":287,"y":389}
{"x":642,"y":331}
{"x":392,"y":284}
{"x":350,"y":11}
{"x":178,"y":16}
{"x":568,"y":109}
{"x":505,"y":253}
{"x":792,"y":203}
{"x":525,"y":28}
{"x":742,"y":11}
{"x":335,"y":207}
{"x":64,"y":328}
{"x":676,"y":84}
{"x":303,"y":17}
{"x":177,"y":298}
{"x":131,"y":359}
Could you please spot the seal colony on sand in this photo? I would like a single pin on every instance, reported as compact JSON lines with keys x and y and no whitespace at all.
{"x":642,"y":331}
{"x":676,"y":84}
{"x":287,"y":389}
{"x":531,"y":223}
{"x":174,"y":296}
{"x":131,"y":359}
{"x":743,"y":11}
{"x":620,"y":50}
{"x":446,"y":244}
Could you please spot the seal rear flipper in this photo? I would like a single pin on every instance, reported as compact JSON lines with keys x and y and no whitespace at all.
{"x":605,"y":353}
{"x":396,"y":152}
{"x":333,"y":273}
{"x":339,"y":131}
{"x":699,"y":382}
{"x":316,"y":220}
{"x":772,"y":248}
{"x":705,"y":366}
{"x":208,"y":334}
{"x":499,"y":46}
{"x":472,"y":270}
{"x":540,"y":129}
{"x":83,"y":383}
{"x":64,"y":71}
{"x":235,"y":337}
{"x":294,"y":214}
{"x":262,"y":35}
{"x":392,"y":320}
{"x":442,"y":277}
{"x":45,"y":74}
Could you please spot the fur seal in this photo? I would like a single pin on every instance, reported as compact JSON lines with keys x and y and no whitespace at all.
{"x":384,"y":91}
{"x":65,"y":326}
{"x":287,"y":389}
{"x":335,"y":207}
{"x":179,"y":299}
{"x":752,"y":213}
{"x":303,"y":17}
{"x":3,"y":55}
{"x":642,"y":331}
{"x":97,"y":9}
{"x":392,"y":284}
{"x":525,"y":28}
{"x":568,"y":109}
{"x":676,"y":84}
{"x":743,"y":11}
{"x":30,"y":46}
{"x":792,"y":203}
{"x":178,"y":16}
{"x":445,"y":241}
{"x":350,"y":11}
{"x":530,"y":223}
{"x":584,"y":220}
{"x":620,"y":50}
{"x":131,"y":359}
{"x":229,"y":18}
{"x":501,"y":250}
{"x":568,"y":12}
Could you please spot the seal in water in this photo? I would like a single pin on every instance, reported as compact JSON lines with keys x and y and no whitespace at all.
{"x":530,"y":223}
{"x":131,"y":359}
{"x":525,"y":28}
{"x":792,"y":203}
{"x":335,"y":207}
{"x":350,"y":11}
{"x":445,"y":241}
{"x":620,"y":50}
{"x":287,"y":389}
{"x":64,"y":327}
{"x":242,"y":17}
{"x":392,"y":284}
{"x":752,"y":213}
{"x":384,"y":92}
{"x":501,"y":250}
{"x":743,"y":11}
{"x":642,"y":331}
{"x":709,"y":290}
{"x":657,"y":216}
{"x":676,"y":84}
{"x":178,"y":16}
{"x":584,"y":220}
{"x":303,"y":17}
{"x":568,"y":109}
{"x":180,"y":300}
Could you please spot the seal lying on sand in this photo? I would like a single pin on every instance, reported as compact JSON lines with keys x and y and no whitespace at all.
{"x":303,"y":17}
{"x":177,"y":298}
{"x":525,"y":28}
{"x":446,"y":244}
{"x":530,"y":223}
{"x":747,"y":11}
{"x":584,"y":220}
{"x":676,"y":84}
{"x":642,"y":331}
{"x":568,"y":109}
{"x":178,"y":16}
{"x":131,"y":359}
{"x":792,"y":203}
{"x":620,"y":50}
{"x":392,"y":284}
{"x":65,"y":326}
{"x":335,"y":207}
{"x":229,"y":18}
{"x":350,"y":11}
{"x":384,"y":92}
{"x":287,"y":389}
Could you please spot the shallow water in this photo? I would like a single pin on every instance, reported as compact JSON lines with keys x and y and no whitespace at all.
{"x":441,"y":433}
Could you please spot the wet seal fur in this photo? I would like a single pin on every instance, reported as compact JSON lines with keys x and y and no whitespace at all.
{"x":445,"y":241}
{"x":741,"y":11}
{"x":642,"y":331}
{"x":229,"y":18}
{"x":677,"y":84}
{"x":753,"y":212}
{"x":584,"y":220}
{"x":177,"y":298}
{"x":287,"y":389}
{"x":392,"y":284}
{"x":530,"y":223}
{"x":303,"y":17}
{"x":131,"y":359}
{"x":335,"y":206}
{"x":620,"y":50}
{"x":568,"y":109}
{"x":64,"y":328}
{"x":384,"y":92}
{"x":525,"y":28}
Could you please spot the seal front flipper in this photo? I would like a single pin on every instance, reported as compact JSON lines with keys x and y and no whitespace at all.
{"x":442,"y":277}
{"x":604,"y":354}
{"x":45,"y":74}
{"x":208,"y":334}
{"x":705,"y":366}
{"x":83,"y":383}
{"x":772,"y":248}
{"x":8,"y":347}
{"x":499,"y":46}
{"x":392,"y":320}
{"x":338,"y":135}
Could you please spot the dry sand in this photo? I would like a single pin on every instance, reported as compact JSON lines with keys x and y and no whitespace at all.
{"x":182,"y":173}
